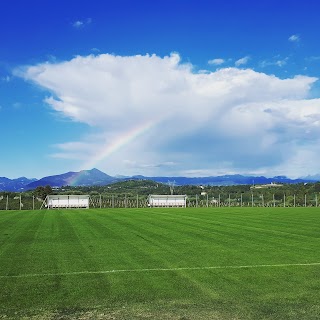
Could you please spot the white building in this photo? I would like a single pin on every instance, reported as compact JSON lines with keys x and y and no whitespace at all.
{"x":67,"y":201}
{"x":167,"y":200}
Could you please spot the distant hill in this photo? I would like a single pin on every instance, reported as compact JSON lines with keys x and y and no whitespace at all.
{"x":95,"y":177}
{"x":315,"y":177}
{"x":227,"y":180}
{"x":82,"y":178}
{"x":14,"y":185}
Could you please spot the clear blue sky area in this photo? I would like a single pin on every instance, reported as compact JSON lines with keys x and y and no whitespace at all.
{"x":159,"y":87}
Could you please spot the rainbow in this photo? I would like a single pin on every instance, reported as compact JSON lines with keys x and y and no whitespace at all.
{"x":113,"y":146}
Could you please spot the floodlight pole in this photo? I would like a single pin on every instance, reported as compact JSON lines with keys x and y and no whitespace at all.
{"x":274,"y":202}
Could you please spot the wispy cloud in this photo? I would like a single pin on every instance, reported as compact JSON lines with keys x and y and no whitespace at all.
{"x":81,"y":23}
{"x":216,"y":62}
{"x":246,"y":120}
{"x":140,"y":165}
{"x":6,"y":79}
{"x":242,"y":61}
{"x":95,"y":50}
{"x":17,"y":105}
{"x":312,"y":58}
{"x":275,"y":62}
{"x":294,"y":38}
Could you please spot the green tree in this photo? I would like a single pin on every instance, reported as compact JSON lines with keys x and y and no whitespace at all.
{"x":42,"y":192}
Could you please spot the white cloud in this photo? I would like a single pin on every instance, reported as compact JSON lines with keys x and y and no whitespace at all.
{"x":77,"y":24}
{"x":242,"y":61}
{"x":17,"y":105}
{"x":81,"y":23}
{"x":312,"y":58}
{"x":156,"y":116}
{"x":216,"y":61}
{"x":95,"y":50}
{"x":275,"y":62}
{"x":143,"y":165}
{"x":294,"y":38}
{"x":6,"y":79}
{"x":281,"y":63}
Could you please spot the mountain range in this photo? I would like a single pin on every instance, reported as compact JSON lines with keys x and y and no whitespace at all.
{"x":96,"y":177}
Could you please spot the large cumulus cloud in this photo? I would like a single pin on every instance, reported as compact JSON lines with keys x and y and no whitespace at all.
{"x":228,"y":120}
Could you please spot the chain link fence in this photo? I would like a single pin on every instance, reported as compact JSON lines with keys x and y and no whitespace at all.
{"x":29,"y":202}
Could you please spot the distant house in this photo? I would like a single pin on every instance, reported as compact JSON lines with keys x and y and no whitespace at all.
{"x":67,"y":201}
{"x":271,"y":185}
{"x":167,"y":200}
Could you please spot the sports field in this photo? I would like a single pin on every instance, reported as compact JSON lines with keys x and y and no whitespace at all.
{"x":193,"y":263}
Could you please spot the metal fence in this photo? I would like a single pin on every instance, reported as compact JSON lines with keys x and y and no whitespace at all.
{"x":27,"y":202}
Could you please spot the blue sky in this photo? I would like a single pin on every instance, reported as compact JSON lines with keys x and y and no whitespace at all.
{"x":188,"y":88}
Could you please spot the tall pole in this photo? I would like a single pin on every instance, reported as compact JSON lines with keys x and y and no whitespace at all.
{"x":305,"y":199}
{"x":219,"y":200}
{"x":274,"y":202}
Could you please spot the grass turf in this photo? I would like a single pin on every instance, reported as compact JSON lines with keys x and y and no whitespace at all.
{"x":55,"y":264}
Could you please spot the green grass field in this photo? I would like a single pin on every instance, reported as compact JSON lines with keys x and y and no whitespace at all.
{"x":205,"y":263}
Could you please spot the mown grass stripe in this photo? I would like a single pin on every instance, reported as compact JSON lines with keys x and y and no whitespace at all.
{"x":248,"y":264}
{"x":282,"y":265}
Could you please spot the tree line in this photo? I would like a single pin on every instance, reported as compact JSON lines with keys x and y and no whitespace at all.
{"x":134,"y":193}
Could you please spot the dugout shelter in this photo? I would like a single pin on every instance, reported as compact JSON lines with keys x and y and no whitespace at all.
{"x":67,"y":201}
{"x":167,"y":200}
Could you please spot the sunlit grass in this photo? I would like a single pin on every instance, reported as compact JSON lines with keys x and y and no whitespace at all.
{"x":58,"y":262}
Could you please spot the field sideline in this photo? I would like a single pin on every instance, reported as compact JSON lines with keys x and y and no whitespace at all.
{"x":189,"y":263}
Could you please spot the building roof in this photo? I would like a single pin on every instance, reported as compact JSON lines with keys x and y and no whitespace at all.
{"x":168,"y":196}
